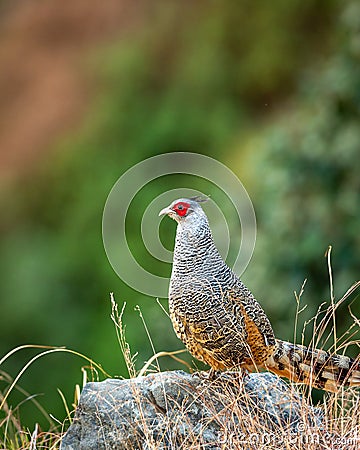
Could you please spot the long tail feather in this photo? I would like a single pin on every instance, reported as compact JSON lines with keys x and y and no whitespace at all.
{"x":317,"y":368}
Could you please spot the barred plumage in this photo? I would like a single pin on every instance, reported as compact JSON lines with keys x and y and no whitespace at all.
{"x":220,"y":321}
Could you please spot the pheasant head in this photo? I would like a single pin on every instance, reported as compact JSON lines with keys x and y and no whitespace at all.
{"x":186,"y":211}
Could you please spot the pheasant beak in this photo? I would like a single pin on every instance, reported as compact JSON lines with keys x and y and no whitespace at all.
{"x":166,"y":211}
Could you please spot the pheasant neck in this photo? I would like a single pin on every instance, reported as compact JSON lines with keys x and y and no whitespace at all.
{"x":195,"y":250}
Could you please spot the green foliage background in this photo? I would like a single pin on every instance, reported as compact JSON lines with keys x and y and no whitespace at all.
{"x":272,"y":90}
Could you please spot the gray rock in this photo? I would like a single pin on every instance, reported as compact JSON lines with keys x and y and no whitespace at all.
{"x":172,"y":410}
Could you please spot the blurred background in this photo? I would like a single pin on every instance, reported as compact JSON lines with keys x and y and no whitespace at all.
{"x":88,"y":89}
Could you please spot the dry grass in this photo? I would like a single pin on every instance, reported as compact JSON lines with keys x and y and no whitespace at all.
{"x":238,"y":427}
{"x":12,"y":434}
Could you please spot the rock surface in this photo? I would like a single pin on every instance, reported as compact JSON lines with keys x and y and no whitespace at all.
{"x":171,"y":410}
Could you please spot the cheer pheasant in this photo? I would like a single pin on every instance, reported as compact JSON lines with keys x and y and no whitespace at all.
{"x":220,"y":321}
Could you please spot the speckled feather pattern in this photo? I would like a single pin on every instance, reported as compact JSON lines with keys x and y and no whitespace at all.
{"x":223,"y":325}
{"x":207,"y":301}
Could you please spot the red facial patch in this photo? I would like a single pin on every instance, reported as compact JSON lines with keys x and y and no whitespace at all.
{"x":181,"y":208}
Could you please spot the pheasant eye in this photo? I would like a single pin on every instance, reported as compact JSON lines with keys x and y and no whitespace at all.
{"x":181,"y":208}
